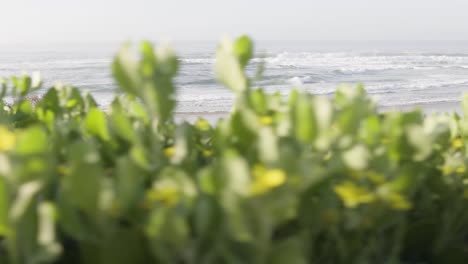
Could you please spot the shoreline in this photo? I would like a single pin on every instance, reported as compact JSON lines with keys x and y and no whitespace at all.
{"x":427,"y":108}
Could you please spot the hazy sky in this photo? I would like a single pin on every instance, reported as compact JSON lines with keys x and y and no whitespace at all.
{"x":118,"y":20}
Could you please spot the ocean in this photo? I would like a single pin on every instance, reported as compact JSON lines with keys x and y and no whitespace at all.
{"x":397,"y":74}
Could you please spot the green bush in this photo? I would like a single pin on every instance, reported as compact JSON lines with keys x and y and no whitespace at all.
{"x":302,"y":179}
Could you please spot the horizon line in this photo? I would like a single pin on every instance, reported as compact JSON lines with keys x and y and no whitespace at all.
{"x":136,"y":40}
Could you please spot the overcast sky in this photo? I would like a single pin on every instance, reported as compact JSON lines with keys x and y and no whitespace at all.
{"x":118,"y":20}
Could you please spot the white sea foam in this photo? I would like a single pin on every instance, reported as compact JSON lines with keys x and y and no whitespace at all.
{"x":355,"y":63}
{"x":298,"y":81}
{"x":198,"y":60}
{"x":398,"y":78}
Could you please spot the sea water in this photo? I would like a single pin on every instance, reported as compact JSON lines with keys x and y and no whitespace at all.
{"x":396,"y":74}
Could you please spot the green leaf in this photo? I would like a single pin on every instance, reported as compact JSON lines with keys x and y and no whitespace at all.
{"x":206,"y":217}
{"x":50,"y":100}
{"x":418,"y":138}
{"x":96,"y":124}
{"x":229,"y":69}
{"x":243,"y":48}
{"x":304,"y":119}
{"x":32,"y":141}
{"x":125,"y":71}
{"x":371,"y":130}
{"x":149,"y":78}
{"x":464,"y":121}
{"x":323,"y":117}
{"x":181,"y":147}
{"x":237,"y":174}
{"x":130,"y":183}
{"x":258,"y":101}
{"x":289,"y":251}
{"x":357,"y":158}
{"x":4,"y":86}
{"x":26,"y":193}
{"x":208,"y":182}
{"x":148,"y":60}
{"x":122,"y":125}
{"x":168,"y":63}
{"x":82,"y":184}
{"x":268,"y":145}
{"x":139,"y":155}
{"x":4,"y":206}
{"x":122,"y":247}
{"x":46,"y":236}
{"x":24,"y":85}
{"x":89,"y":101}
{"x":47,"y":117}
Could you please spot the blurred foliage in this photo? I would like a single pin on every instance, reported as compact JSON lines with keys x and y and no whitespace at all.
{"x":302,"y":179}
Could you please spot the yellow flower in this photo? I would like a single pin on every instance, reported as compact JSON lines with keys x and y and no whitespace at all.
{"x":457,"y":143}
{"x":202,"y":125}
{"x":7,"y":139}
{"x":169,"y":152}
{"x":267,"y":179}
{"x":353,"y":195}
{"x":266,"y":120}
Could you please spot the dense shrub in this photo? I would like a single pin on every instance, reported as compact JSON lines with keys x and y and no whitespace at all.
{"x":302,"y":179}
